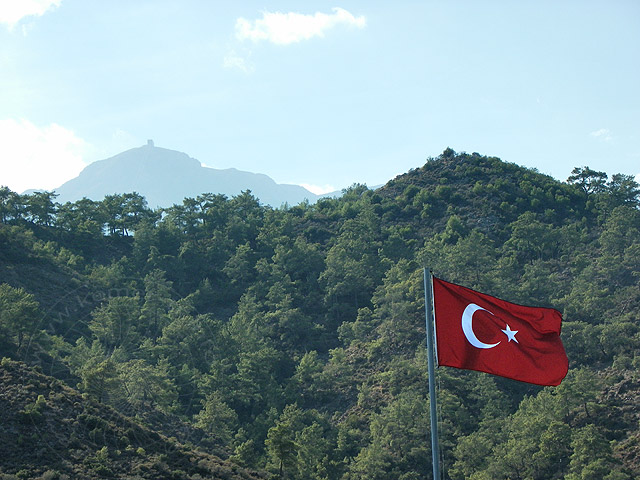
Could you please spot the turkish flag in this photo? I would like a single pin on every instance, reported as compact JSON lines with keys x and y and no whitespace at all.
{"x":476,"y":331}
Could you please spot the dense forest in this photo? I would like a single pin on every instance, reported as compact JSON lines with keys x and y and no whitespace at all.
{"x":221,"y":338}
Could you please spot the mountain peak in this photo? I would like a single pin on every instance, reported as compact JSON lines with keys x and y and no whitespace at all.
{"x":165,"y":177}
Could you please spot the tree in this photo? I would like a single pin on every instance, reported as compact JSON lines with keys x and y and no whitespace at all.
{"x":302,"y":262}
{"x":352,"y":267}
{"x":154,"y":314}
{"x":592,"y":457}
{"x":304,"y":384}
{"x":41,"y":207}
{"x":13,"y":206}
{"x":114,"y":323}
{"x":255,"y":384}
{"x":589,"y":180}
{"x":100,"y":379}
{"x":146,"y":384}
{"x":214,"y":210}
{"x":19,"y":315}
{"x":217,"y":419}
{"x":287,"y":325}
{"x":239,"y":269}
{"x":396,"y":313}
{"x":5,"y":198}
{"x":187,"y":217}
{"x":398,"y":441}
{"x":281,"y":445}
{"x":84,"y":216}
{"x":462,"y":257}
{"x":532,"y":239}
{"x":193,"y":341}
{"x":623,"y":190}
{"x":314,"y":445}
{"x":126,"y":212}
{"x":245,"y":217}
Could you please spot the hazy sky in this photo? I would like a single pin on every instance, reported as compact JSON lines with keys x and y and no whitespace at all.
{"x":318,"y":93}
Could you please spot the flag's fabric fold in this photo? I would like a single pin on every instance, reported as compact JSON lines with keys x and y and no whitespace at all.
{"x":479,"y":332}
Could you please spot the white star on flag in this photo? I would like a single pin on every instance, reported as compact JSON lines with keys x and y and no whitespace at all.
{"x":511,"y":334}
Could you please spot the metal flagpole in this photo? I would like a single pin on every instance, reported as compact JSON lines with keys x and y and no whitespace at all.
{"x":428,"y":307}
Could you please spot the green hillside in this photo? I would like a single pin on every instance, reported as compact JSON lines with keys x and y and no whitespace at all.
{"x":51,"y":431}
{"x":291,"y":340}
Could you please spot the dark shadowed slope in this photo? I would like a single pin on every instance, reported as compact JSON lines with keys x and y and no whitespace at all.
{"x":50,"y":431}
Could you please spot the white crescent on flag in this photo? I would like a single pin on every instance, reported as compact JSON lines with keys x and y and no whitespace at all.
{"x":467,"y":326}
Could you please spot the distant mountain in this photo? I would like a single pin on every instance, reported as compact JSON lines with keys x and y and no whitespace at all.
{"x":165,"y":177}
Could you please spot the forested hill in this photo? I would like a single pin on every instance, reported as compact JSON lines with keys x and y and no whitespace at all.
{"x":487,"y":192}
{"x":291,"y":340}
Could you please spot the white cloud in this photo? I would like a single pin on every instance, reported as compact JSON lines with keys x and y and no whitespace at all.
{"x":12,"y":11}
{"x":319,"y":189}
{"x":603,"y":134}
{"x":287,"y":28}
{"x":233,"y":60}
{"x":38,"y":157}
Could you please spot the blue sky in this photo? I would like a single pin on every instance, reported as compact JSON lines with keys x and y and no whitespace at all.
{"x":318,"y":93}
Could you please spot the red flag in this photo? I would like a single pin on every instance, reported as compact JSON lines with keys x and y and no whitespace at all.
{"x":476,"y":331}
